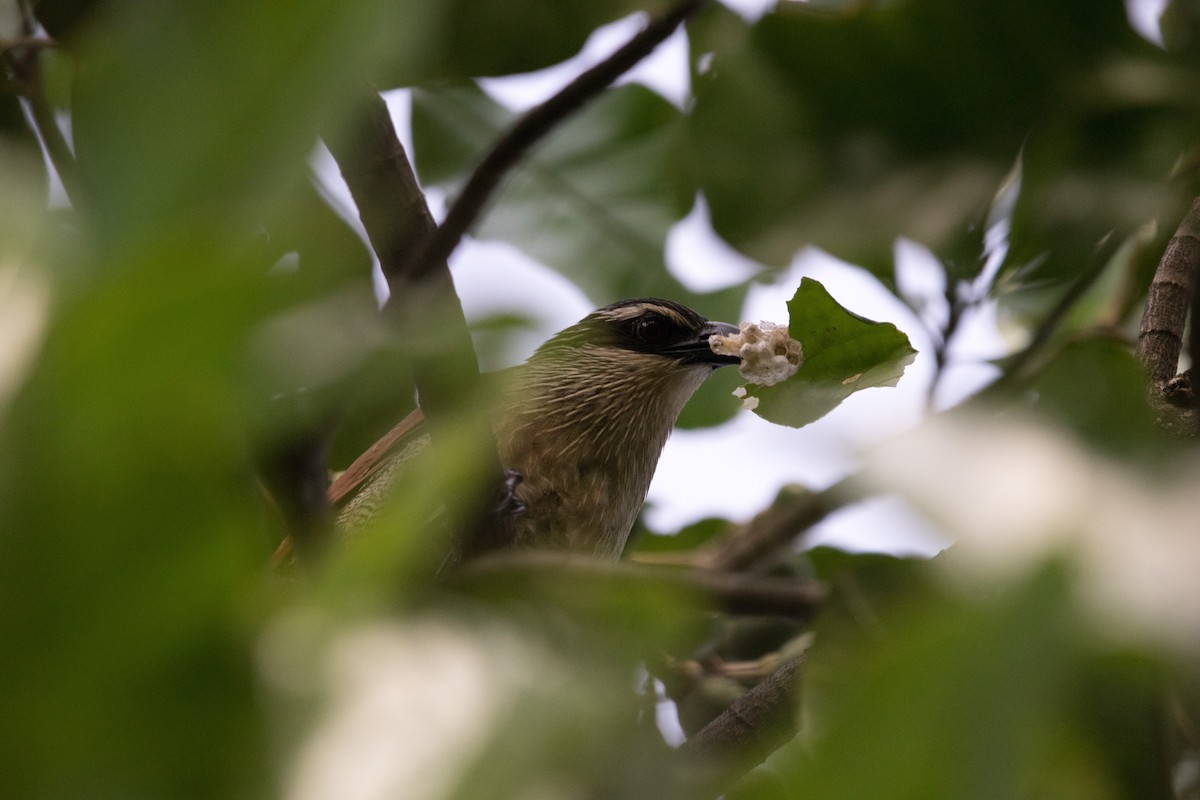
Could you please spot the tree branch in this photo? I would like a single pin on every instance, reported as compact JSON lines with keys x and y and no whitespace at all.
{"x":755,"y":717}
{"x":1171,"y":294}
{"x":530,"y":129}
{"x":377,"y":171}
{"x":731,"y":592}
{"x":397,"y":220}
{"x":773,"y":529}
{"x":753,"y":726}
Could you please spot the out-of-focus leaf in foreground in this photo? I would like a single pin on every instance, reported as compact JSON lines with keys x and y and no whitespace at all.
{"x":995,"y":697}
{"x":843,"y":353}
{"x":133,"y":541}
{"x":183,"y":110}
{"x":467,"y":705}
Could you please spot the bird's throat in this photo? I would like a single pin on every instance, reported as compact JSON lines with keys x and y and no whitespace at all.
{"x":588,"y":446}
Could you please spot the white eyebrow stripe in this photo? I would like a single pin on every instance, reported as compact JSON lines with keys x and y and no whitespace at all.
{"x":630,"y":312}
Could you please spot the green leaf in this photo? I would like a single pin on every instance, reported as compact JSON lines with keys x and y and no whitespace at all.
{"x":688,"y":538}
{"x":595,"y":201}
{"x":1003,"y":694}
{"x":133,"y":547}
{"x":843,"y":353}
{"x":847,"y":128}
{"x":987,"y":709}
{"x":1097,"y":389}
{"x":473,"y":38}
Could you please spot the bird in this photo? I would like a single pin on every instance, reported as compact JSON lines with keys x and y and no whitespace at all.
{"x":579,"y":426}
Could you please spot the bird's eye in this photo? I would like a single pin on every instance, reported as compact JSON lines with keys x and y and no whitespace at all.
{"x":652,"y":330}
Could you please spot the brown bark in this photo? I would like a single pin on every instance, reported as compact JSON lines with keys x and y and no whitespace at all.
{"x":1171,"y":294}
{"x":396,"y":217}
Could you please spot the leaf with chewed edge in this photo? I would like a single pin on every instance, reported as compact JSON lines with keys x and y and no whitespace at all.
{"x":843,"y":353}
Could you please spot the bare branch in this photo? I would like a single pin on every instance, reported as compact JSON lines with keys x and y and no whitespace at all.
{"x":776,"y":527}
{"x":754,"y":717}
{"x":1171,"y":294}
{"x":744,"y":734}
{"x":530,"y":129}
{"x":377,"y":171}
{"x":393,"y":211}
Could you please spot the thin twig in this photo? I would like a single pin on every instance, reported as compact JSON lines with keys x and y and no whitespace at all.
{"x":530,"y":129}
{"x":22,"y":55}
{"x":1075,"y":292}
{"x":1029,"y":359}
{"x":22,"y":42}
{"x":1171,"y":294}
{"x":775,"y":528}
{"x":957,"y":304}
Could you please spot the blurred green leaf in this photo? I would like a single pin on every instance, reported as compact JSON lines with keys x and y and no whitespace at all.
{"x":130,"y":544}
{"x":688,"y":537}
{"x":135,"y":540}
{"x":63,"y":18}
{"x":848,"y":128}
{"x":1105,"y":296}
{"x":1179,"y":23}
{"x":183,"y":111}
{"x":998,"y":694}
{"x":136,"y":614}
{"x":470,"y":38}
{"x":1127,"y":732}
{"x":595,"y":201}
{"x":830,"y":564}
{"x":843,"y":353}
{"x":1097,"y":389}
{"x":955,"y":700}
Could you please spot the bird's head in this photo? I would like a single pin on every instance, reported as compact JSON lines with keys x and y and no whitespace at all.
{"x":584,"y":420}
{"x":655,"y":333}
{"x":618,"y":378}
{"x":591,"y":412}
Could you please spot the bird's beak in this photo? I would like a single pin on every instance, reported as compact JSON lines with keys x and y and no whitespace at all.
{"x":697,"y":351}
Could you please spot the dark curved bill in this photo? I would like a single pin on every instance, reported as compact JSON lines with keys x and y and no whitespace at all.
{"x":697,"y":351}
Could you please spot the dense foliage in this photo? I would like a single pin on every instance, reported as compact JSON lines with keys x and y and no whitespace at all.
{"x":195,"y":311}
